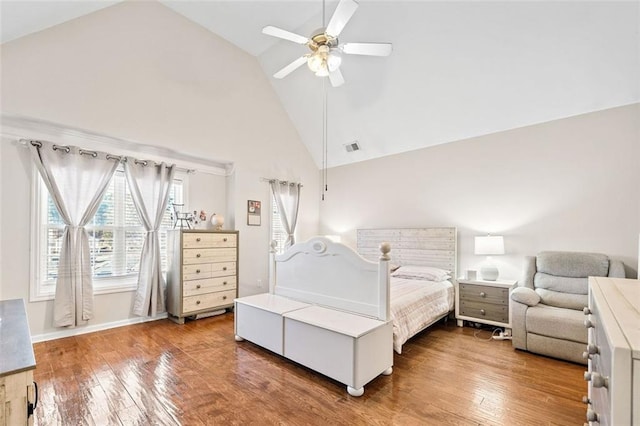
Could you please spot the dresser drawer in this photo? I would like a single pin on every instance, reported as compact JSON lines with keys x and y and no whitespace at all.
{"x":208,"y":240}
{"x":484,"y":311}
{"x":484,"y":294}
{"x":200,"y":271}
{"x":208,"y":255}
{"x":195,"y":287}
{"x":208,"y":301}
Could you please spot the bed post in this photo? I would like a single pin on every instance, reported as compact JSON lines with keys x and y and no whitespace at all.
{"x":272,"y":266}
{"x":384,"y":282}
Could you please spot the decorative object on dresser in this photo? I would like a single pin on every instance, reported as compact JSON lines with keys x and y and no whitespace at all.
{"x":217,"y":221}
{"x":203,"y":272}
{"x":486,"y":302}
{"x":18,"y":391}
{"x":546,"y":307}
{"x":613,"y":352}
{"x":489,"y":245}
{"x":327,"y":309}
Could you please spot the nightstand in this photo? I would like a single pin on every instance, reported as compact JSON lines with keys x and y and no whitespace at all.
{"x":485,"y":302}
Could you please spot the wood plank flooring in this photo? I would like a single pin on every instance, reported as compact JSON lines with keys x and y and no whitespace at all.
{"x":162,"y":373}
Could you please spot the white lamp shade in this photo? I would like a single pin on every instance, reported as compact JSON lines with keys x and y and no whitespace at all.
{"x":489,"y":245}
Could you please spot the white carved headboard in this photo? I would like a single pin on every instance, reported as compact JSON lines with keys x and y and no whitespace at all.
{"x":322,"y":272}
{"x":435,"y":247}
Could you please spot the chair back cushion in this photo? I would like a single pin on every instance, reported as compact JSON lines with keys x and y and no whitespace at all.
{"x":561,"y":279}
{"x":572,"y":264}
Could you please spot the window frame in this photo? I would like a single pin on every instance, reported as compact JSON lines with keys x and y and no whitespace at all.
{"x":40,"y":290}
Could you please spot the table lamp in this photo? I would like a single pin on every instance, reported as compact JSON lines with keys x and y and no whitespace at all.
{"x":488,"y":246}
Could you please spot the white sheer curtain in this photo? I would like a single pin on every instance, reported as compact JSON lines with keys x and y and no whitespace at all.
{"x":150,"y":184}
{"x":77,"y":180}
{"x":287,"y":196}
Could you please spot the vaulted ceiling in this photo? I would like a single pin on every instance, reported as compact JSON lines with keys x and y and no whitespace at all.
{"x":459,"y":69}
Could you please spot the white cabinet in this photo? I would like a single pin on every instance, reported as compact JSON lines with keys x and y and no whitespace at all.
{"x":203,"y":272}
{"x":613,"y":351}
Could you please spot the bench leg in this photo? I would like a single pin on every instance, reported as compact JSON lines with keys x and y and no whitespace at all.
{"x":239,"y":339}
{"x":355,"y":392}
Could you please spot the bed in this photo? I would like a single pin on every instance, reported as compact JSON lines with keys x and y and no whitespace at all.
{"x":327,"y":309}
{"x":421,"y":292}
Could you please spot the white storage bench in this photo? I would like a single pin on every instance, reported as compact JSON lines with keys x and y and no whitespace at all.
{"x":339,"y":328}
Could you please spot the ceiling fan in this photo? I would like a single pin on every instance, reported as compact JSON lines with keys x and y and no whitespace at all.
{"x":325,"y":59}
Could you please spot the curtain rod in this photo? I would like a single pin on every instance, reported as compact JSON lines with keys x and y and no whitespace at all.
{"x":264,"y":179}
{"x":118,"y":158}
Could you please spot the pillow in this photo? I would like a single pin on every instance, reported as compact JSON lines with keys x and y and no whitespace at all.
{"x":526,"y":296}
{"x":427,"y":273}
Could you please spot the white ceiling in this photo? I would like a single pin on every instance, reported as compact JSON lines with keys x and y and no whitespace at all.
{"x":459,"y":69}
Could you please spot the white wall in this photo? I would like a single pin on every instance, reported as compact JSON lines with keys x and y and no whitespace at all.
{"x":571,"y":184}
{"x":140,"y":72}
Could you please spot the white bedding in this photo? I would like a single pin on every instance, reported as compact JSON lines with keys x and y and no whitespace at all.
{"x":416,"y":304}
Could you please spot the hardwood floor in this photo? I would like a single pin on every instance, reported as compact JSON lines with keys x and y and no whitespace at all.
{"x":196,"y":374}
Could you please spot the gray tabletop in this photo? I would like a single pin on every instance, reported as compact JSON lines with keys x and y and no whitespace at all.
{"x":16,"y":350}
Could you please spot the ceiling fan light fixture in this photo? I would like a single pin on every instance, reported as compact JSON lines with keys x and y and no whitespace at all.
{"x":316,"y":62}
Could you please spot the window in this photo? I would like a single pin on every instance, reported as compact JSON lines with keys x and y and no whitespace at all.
{"x":277,"y":230}
{"x":116,"y":236}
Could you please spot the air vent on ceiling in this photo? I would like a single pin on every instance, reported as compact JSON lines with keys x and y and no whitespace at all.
{"x":350,"y":147}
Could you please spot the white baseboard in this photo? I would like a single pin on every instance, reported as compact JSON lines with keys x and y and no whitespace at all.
{"x":76,"y":331}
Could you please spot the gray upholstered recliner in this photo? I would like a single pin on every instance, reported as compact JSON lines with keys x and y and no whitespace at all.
{"x":546,"y":307}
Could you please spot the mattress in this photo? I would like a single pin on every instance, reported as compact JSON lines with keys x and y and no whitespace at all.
{"x":416,"y":304}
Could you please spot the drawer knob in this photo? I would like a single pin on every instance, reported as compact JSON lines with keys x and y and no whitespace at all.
{"x":592,"y":349}
{"x":197,"y":271}
{"x":483,"y":294}
{"x":224,"y":268}
{"x":586,"y":355}
{"x":198,"y":239}
{"x":599,"y":381}
{"x":198,"y":286}
{"x":197,"y":302}
{"x":198,"y":255}
{"x":587,"y":376}
{"x":588,"y":324}
{"x":586,"y":311}
{"x":224,"y":239}
{"x":592,"y":416}
{"x":224,"y":297}
{"x":482,"y":311}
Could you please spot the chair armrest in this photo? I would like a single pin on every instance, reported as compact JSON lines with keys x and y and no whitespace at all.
{"x":525,"y":296}
{"x":616,"y":269}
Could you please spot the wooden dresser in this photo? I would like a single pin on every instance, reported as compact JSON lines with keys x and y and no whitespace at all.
{"x":203,"y":272}
{"x":18,"y":395}
{"x":613,"y":320}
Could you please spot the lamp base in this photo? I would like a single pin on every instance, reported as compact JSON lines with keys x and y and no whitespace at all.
{"x":489,"y":272}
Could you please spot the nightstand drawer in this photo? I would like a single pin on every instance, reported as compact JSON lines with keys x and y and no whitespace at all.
{"x":208,"y":301}
{"x":484,"y":311}
{"x":484,"y":294}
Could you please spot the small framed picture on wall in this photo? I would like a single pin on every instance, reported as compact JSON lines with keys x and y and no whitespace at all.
{"x":253,"y":213}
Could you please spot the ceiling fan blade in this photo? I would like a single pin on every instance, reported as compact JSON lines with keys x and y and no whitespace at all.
{"x":287,"y":35}
{"x":336,"y":78}
{"x":371,"y":49}
{"x":344,"y":12}
{"x":291,"y":67}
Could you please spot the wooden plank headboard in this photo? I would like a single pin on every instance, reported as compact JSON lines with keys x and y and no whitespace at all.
{"x":436,"y":247}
